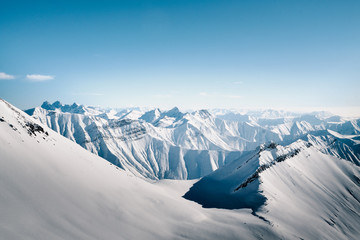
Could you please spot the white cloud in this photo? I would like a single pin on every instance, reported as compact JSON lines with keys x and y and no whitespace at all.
{"x":5,"y":76}
{"x":204,"y":94}
{"x":39,"y":78}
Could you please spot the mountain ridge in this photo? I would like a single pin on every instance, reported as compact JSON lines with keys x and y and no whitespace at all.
{"x":171,"y":144}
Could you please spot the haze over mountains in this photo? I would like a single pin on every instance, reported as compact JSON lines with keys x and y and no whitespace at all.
{"x":171,"y":144}
{"x":51,"y":188}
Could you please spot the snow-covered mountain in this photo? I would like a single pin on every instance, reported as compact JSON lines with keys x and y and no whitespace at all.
{"x":51,"y":188}
{"x":171,"y":144}
{"x":319,"y":193}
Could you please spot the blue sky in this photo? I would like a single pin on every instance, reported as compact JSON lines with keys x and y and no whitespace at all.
{"x":190,"y":54}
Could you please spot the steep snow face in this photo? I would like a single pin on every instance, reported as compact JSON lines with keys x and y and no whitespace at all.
{"x":170,"y":144}
{"x":236,"y":185}
{"x":320,"y":191}
{"x":151,"y":116}
{"x":332,"y":143}
{"x":51,"y":188}
{"x":140,"y":147}
{"x":297,"y":189}
{"x":346,"y":128}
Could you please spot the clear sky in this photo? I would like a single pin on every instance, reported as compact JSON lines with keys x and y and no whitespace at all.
{"x":187,"y":53}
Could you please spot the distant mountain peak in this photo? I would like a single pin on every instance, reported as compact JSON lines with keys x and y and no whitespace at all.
{"x":47,"y":105}
{"x":203,"y":113}
{"x":57,"y":104}
{"x":151,"y":116}
{"x":74,"y":108}
{"x":174,"y":112}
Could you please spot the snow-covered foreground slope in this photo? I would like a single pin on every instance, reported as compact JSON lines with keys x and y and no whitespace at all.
{"x":301,"y":192}
{"x":51,"y":188}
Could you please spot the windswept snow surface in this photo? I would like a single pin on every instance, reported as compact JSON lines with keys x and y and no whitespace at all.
{"x":299,"y":191}
{"x":51,"y":188}
{"x":171,"y":144}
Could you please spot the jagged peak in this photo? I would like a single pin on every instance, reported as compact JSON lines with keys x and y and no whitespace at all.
{"x":75,"y":105}
{"x":153,"y":111}
{"x":174,"y":112}
{"x":57,"y":104}
{"x":47,"y":105}
{"x":267,"y":145}
{"x":174,"y":109}
{"x":152,"y":115}
{"x":202,"y":113}
{"x":74,"y":108}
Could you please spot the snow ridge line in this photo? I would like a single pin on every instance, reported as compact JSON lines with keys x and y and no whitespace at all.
{"x":31,"y":127}
{"x":261,"y":148}
{"x":266,"y":166}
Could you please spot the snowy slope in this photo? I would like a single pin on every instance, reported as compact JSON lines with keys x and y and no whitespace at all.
{"x":300,"y":191}
{"x":171,"y":144}
{"x":332,"y":143}
{"x":51,"y":188}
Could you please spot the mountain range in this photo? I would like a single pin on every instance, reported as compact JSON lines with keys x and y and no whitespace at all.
{"x":52,"y":188}
{"x":171,"y":144}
